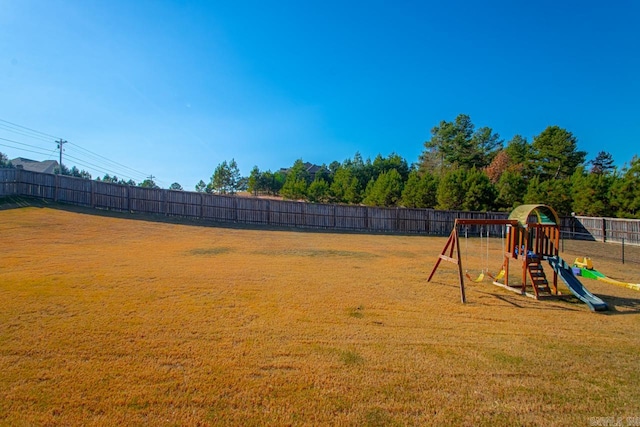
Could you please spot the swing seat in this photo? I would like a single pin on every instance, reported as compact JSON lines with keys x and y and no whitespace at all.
{"x":480,"y":278}
{"x":499,"y":276}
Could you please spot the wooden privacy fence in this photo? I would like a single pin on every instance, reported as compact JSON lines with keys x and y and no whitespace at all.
{"x":616,"y":230}
{"x":281,"y":213}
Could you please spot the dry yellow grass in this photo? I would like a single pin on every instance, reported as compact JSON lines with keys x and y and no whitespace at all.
{"x":108,"y":321}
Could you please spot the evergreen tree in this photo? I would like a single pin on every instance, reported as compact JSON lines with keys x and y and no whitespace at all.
{"x":555,"y":193}
{"x":4,"y":161}
{"x":296,"y":182}
{"x":149,"y":183}
{"x":225,"y":178}
{"x":176,"y":187}
{"x":555,"y":154}
{"x":511,"y":190}
{"x":457,"y":143}
{"x":591,"y":193}
{"x":393,"y":161}
{"x":386,"y":190}
{"x":625,"y":192}
{"x":74,"y":171}
{"x":201,"y":186}
{"x":602,"y":164}
{"x":451,"y":190}
{"x":344,"y":188}
{"x":420,"y":191}
{"x":480,"y":194}
{"x":518,"y":150}
{"x":318,"y":191}
{"x":253,"y":184}
{"x":272,"y":182}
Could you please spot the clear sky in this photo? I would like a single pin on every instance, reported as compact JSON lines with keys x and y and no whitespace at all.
{"x":173,"y":88}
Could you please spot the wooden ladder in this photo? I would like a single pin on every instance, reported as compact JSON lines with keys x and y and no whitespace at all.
{"x":538,"y":278}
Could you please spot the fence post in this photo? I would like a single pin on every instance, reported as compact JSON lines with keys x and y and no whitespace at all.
{"x":268,"y":210}
{"x":128,"y":198}
{"x":366,"y":217}
{"x":56,"y":185}
{"x":604,"y":230}
{"x":235,"y":209}
{"x":165,"y":202}
{"x":623,"y":250}
{"x":93,"y":194}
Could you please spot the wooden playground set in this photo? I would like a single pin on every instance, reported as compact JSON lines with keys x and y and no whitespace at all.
{"x":532,"y":236}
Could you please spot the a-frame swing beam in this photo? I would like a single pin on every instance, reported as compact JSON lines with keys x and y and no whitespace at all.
{"x":453,"y":243}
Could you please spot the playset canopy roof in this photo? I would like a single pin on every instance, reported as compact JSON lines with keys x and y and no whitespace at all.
{"x":544,"y":214}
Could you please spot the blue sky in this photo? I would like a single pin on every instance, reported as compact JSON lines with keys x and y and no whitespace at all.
{"x":173,"y":88}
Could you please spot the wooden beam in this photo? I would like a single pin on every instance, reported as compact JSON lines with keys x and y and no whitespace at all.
{"x":467,"y":221}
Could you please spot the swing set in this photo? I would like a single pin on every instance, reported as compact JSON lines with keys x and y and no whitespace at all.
{"x":484,"y":252}
{"x":453,"y":245}
{"x":532,"y":235}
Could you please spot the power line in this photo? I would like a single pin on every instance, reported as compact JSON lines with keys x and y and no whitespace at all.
{"x":23,"y":149}
{"x":29,"y":129}
{"x":86,"y":164}
{"x":106,"y":159}
{"x":19,"y":132}
{"x":22,"y":143}
{"x":79,"y":162}
{"x":99,"y":162}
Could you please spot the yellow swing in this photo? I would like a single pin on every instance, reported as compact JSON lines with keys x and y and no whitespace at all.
{"x":480,"y":278}
{"x":500,"y":274}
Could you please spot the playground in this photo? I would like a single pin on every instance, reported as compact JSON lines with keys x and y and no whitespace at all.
{"x":532,"y":234}
{"x":109,"y":320}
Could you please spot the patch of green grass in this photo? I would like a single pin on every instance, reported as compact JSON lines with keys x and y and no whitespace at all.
{"x":319,"y":253}
{"x":507,"y":359}
{"x":378,"y":417}
{"x":137,"y":404}
{"x":349,"y":357}
{"x":357,"y":312}
{"x":210,"y":251}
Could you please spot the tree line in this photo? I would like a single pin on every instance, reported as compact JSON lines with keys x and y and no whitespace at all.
{"x":461,"y":167}
{"x":467,"y":168}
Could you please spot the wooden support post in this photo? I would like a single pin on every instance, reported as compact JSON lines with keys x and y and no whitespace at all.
{"x":451,"y":245}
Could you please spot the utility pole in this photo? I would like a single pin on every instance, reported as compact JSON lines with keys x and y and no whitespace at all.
{"x":60,"y":142}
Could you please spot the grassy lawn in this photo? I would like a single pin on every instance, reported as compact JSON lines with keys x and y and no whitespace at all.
{"x":108,"y":320}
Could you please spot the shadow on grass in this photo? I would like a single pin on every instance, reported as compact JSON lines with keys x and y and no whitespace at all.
{"x":617,"y":305}
{"x":627,"y":305}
